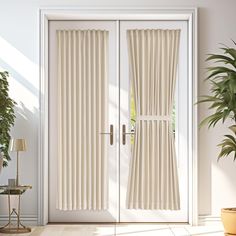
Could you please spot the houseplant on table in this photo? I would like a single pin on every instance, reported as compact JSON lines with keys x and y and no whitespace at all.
{"x":222,"y":78}
{"x":7,"y":118}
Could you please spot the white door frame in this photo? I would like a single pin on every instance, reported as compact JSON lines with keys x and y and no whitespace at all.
{"x":47,"y":14}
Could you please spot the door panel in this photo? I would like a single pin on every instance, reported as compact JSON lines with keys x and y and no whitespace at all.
{"x":127,"y":115}
{"x":111,"y":214}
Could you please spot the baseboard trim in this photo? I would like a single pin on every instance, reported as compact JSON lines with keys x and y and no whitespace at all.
{"x":208,"y":220}
{"x":30,"y":220}
{"x":33,"y":219}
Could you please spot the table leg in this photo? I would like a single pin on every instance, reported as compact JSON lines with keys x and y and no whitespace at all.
{"x":19,"y":228}
{"x":18,"y":215}
{"x":9,"y":208}
{"x":9,"y":214}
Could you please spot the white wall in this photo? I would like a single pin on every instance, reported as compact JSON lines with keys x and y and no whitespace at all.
{"x":19,"y":54}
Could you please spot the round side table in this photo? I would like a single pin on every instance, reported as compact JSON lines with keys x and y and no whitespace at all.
{"x":10,"y":228}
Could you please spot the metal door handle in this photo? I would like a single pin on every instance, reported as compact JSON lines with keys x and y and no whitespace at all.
{"x":111,"y":133}
{"x":124,"y":133}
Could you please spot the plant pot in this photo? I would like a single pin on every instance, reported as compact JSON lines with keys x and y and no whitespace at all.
{"x":228,"y":217}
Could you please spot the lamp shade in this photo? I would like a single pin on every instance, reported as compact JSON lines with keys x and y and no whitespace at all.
{"x":17,"y":145}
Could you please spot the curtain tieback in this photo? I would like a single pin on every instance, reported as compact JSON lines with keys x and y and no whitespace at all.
{"x":142,"y":117}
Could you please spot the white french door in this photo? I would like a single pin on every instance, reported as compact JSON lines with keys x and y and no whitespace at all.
{"x":121,"y":115}
{"x":180,"y":120}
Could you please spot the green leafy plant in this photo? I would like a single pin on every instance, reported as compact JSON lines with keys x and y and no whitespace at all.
{"x":7,"y":116}
{"x":222,"y":78}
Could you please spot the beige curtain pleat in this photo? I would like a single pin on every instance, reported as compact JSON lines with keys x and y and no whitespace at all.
{"x":153,"y":178}
{"x":82,"y":115}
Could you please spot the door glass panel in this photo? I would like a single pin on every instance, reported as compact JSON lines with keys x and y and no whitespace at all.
{"x":132,"y":116}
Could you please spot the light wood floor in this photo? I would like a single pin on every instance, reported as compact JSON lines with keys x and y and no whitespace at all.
{"x":125,"y":230}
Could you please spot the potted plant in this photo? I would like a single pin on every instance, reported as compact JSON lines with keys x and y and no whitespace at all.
{"x":7,"y":118}
{"x":222,"y":78}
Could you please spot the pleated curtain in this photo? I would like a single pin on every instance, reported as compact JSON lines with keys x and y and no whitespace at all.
{"x":153,"y":177}
{"x":82,"y":115}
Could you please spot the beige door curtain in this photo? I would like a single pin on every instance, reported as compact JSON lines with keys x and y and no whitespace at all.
{"x":82,"y":114}
{"x":153,"y":178}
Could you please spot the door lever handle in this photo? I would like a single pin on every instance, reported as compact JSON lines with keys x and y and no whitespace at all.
{"x":124,"y":133}
{"x":111,"y":133}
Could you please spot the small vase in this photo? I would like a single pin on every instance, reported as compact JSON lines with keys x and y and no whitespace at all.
{"x":1,"y":162}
